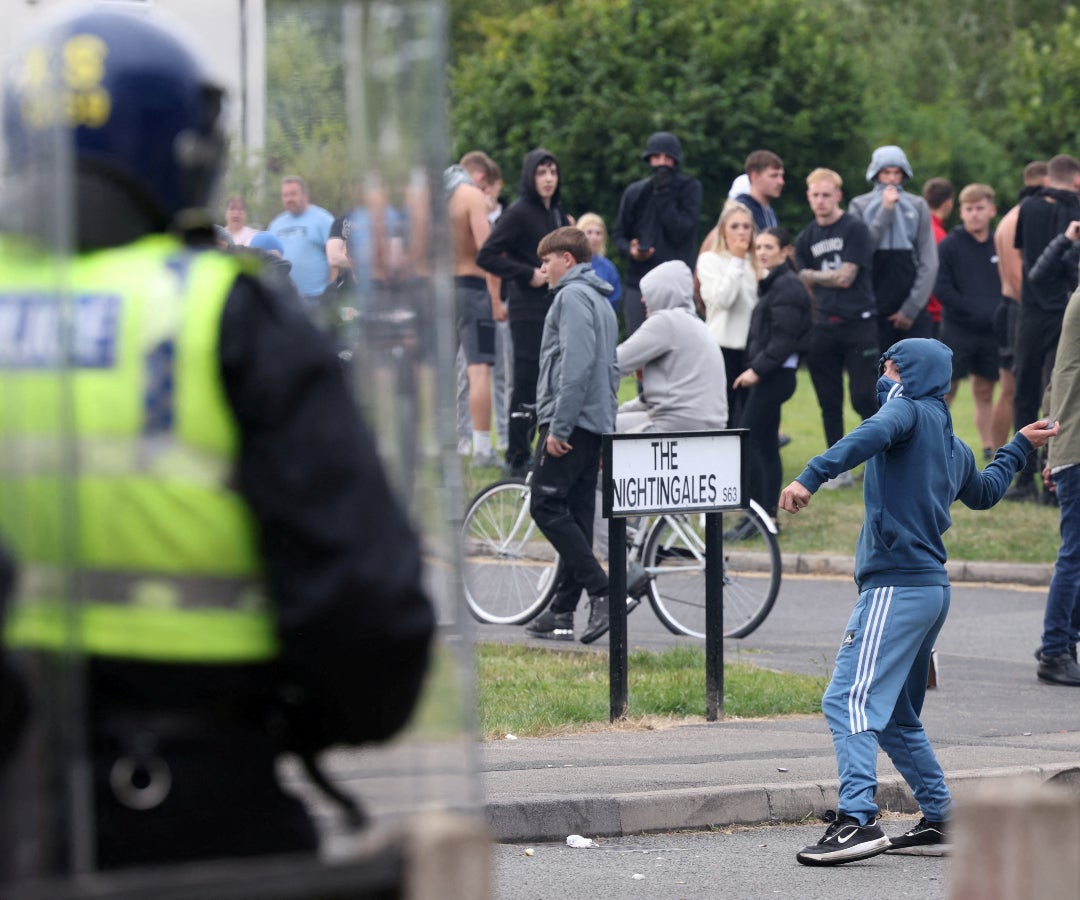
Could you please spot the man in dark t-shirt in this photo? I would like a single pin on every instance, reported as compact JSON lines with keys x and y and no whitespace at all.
{"x":834,"y":254}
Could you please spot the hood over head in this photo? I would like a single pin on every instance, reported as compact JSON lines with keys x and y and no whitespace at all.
{"x":925,"y":366}
{"x":669,"y":286}
{"x":663,"y":142}
{"x":527,"y":186}
{"x":889,"y":155}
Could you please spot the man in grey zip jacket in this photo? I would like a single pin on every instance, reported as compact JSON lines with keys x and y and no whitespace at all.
{"x":576,"y":396}
{"x":905,"y":252}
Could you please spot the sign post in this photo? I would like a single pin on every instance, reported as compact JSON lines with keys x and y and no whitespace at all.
{"x":673,"y":473}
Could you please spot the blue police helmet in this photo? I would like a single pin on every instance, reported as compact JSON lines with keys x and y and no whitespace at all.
{"x":140,"y":106}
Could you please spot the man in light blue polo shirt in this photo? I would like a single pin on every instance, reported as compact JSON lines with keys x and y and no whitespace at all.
{"x":303,"y":229}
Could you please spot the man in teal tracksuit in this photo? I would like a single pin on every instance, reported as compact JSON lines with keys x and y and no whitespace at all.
{"x":915,"y":468}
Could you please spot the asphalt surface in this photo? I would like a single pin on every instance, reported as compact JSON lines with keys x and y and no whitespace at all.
{"x":988,"y":718}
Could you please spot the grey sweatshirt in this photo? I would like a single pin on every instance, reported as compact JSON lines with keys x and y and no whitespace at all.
{"x":684,"y":379}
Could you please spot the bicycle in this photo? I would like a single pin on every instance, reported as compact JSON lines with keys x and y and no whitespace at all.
{"x":510,"y":569}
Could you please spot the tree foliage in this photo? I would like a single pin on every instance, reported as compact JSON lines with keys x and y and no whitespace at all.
{"x":1043,"y":89}
{"x":727,"y":77}
{"x":971,"y":92}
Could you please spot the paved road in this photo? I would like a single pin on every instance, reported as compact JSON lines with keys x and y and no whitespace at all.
{"x":740,"y":863}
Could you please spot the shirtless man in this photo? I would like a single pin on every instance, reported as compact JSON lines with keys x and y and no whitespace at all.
{"x":477,"y":308}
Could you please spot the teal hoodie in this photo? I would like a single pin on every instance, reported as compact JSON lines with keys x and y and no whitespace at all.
{"x":915,"y":468}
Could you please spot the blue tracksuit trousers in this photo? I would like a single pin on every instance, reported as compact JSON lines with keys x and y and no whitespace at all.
{"x":876,"y":695}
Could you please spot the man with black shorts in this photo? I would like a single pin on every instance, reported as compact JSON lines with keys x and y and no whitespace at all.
{"x":467,"y":206}
{"x":969,"y":288}
{"x":834,"y":254}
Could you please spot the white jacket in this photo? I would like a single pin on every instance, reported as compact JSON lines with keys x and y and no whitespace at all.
{"x":729,"y":291}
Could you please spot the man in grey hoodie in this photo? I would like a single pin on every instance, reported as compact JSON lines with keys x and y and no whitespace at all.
{"x":576,"y":397}
{"x":682,"y":368}
{"x":681,"y":361}
{"x":905,"y":254}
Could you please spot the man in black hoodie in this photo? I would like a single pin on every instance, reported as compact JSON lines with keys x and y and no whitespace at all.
{"x":657,"y":221}
{"x":510,"y":253}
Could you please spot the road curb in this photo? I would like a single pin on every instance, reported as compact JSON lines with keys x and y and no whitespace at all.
{"x":552,"y":818}
{"x":960,"y":570}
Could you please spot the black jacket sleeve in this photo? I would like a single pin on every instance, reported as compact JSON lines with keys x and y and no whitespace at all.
{"x":678,"y":208}
{"x":501,"y":253}
{"x":1059,"y":259}
{"x":343,"y":563}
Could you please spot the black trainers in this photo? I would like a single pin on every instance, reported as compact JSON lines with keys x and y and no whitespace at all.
{"x":599,"y":620}
{"x":845,"y":841}
{"x":552,"y":626}
{"x":925,"y":839}
{"x":1060,"y":669}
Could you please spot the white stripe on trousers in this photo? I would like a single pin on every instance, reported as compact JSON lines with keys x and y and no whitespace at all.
{"x":868,"y":656}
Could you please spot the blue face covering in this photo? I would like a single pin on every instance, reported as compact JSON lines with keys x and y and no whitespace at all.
{"x":887,"y":389}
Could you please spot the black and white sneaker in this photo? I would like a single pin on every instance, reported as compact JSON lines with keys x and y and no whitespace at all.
{"x":925,"y":839}
{"x":845,"y":841}
{"x":552,"y":626}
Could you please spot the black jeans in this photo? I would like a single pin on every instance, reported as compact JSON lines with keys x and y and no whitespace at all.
{"x":761,"y":414}
{"x":562,"y":505}
{"x":734,"y":365}
{"x":525,"y":337}
{"x":1037,"y":334}
{"x":834,"y":347}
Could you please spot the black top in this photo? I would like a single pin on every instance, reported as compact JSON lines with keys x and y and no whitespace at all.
{"x":1043,"y":216}
{"x":824,"y":247}
{"x":968,"y":282}
{"x":510,"y":250}
{"x":780,"y":322}
{"x":662,"y":212}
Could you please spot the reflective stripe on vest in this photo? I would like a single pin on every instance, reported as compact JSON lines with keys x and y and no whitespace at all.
{"x":159,"y":618}
{"x":117,"y":447}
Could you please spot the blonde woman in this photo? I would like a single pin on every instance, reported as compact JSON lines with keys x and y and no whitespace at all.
{"x":596,"y":231}
{"x":728,"y":275}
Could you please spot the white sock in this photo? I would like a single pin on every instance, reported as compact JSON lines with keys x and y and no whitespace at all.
{"x":481,"y":442}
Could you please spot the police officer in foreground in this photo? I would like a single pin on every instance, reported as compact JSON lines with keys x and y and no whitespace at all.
{"x":246,"y":583}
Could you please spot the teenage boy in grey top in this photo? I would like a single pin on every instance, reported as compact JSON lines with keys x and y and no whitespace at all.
{"x":576,"y":397}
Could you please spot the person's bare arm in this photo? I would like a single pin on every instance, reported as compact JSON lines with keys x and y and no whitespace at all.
{"x":337,"y":255}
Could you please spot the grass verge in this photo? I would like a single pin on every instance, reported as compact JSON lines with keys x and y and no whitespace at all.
{"x":530,"y":692}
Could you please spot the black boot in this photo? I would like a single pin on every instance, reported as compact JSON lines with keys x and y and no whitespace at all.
{"x":599,"y":620}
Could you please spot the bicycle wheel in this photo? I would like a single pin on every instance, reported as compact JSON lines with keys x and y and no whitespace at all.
{"x":508,"y":566}
{"x":674,"y":555}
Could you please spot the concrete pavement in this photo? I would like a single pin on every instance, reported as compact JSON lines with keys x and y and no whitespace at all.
{"x":989,"y":718}
{"x":621,"y":781}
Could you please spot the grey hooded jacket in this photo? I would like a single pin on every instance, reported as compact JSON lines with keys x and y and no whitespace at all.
{"x":905,"y":228}
{"x":684,"y":378}
{"x":579,"y":377}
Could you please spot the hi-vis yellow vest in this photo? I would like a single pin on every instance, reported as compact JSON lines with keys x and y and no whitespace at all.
{"x":116,"y":450}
